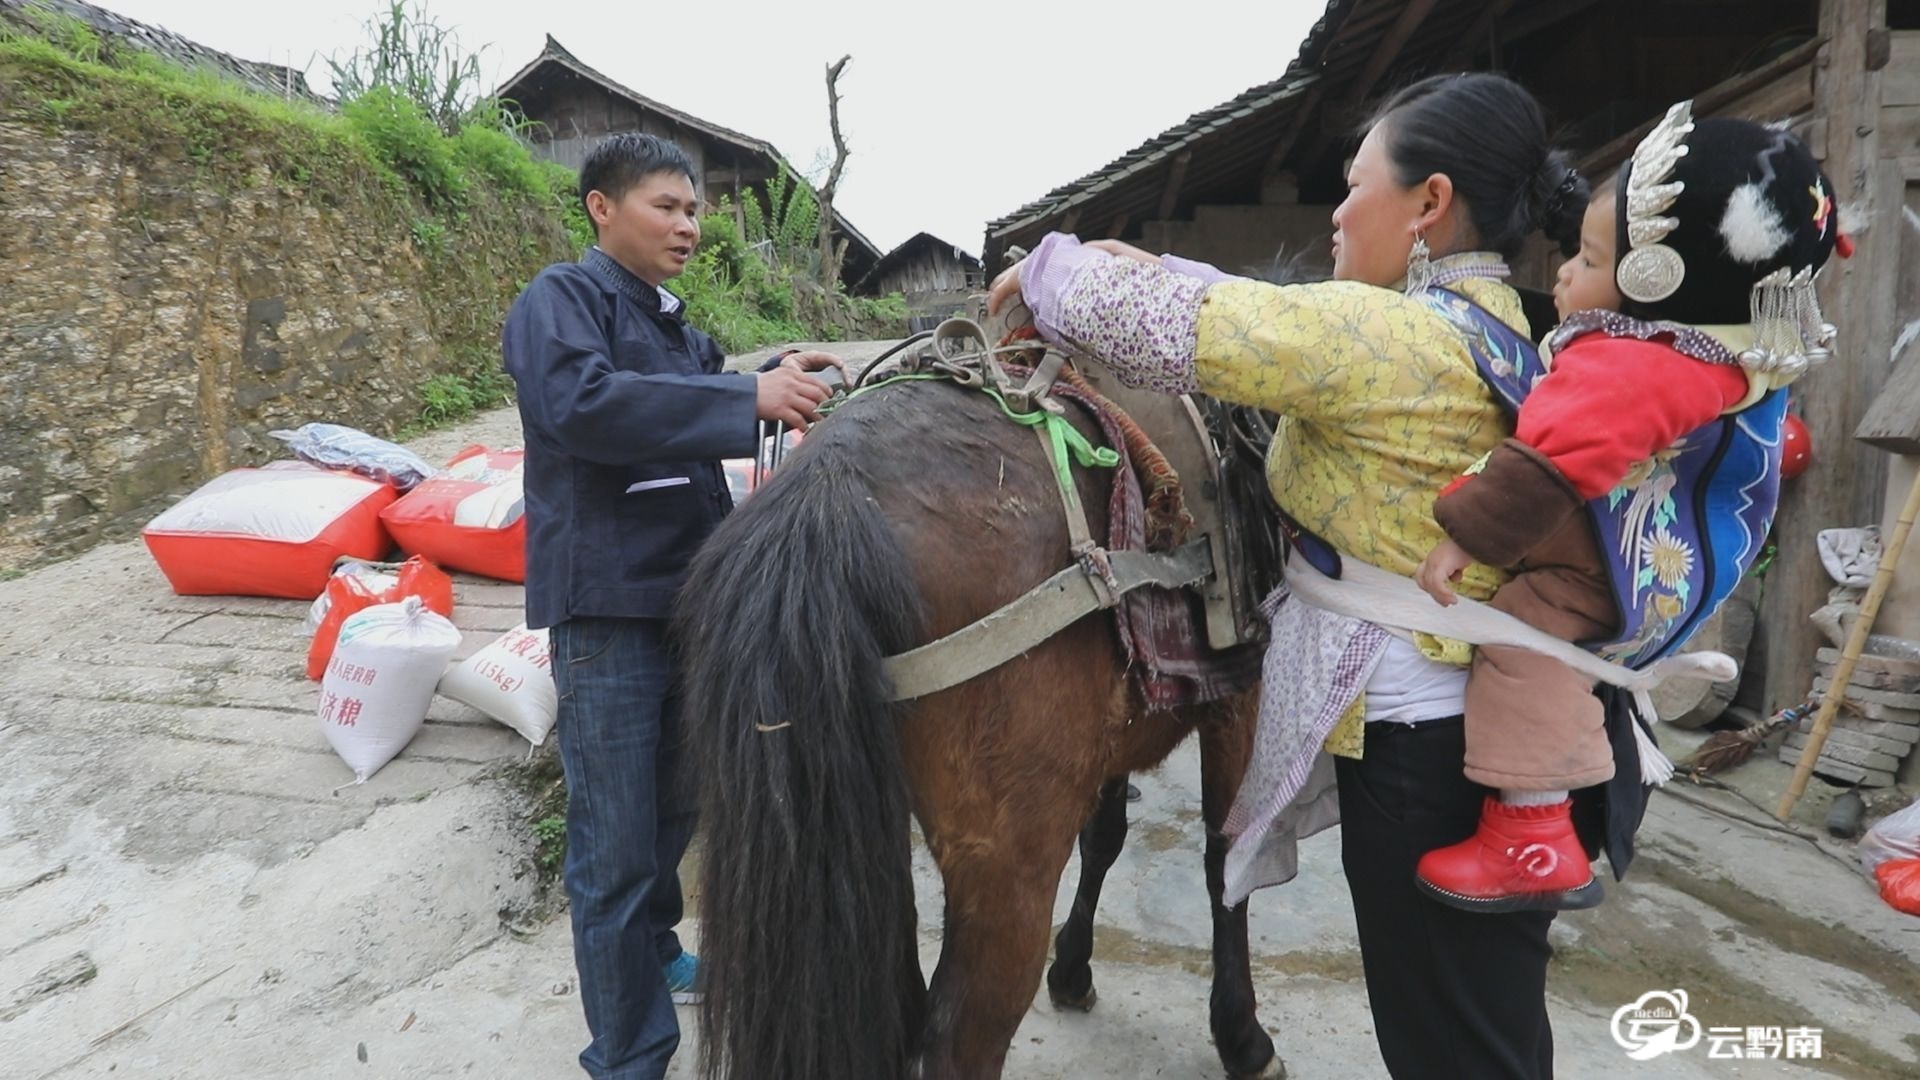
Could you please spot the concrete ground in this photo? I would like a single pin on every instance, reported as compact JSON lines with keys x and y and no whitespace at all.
{"x":185,"y":893}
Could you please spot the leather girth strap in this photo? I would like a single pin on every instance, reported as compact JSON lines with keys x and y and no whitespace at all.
{"x":1042,"y":612}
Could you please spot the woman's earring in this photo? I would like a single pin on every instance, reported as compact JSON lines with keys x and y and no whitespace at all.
{"x":1419,"y":268}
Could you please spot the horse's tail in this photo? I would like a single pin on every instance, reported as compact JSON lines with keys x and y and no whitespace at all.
{"x":808,"y":930}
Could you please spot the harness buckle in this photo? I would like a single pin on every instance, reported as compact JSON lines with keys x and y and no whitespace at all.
{"x":1098,"y":567}
{"x":1038,"y":392}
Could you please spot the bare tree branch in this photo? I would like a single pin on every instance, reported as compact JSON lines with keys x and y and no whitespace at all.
{"x":830,"y":255}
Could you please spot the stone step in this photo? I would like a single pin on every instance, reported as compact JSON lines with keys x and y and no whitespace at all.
{"x":1890,"y":665}
{"x":1867,"y":710}
{"x":1908,"y":734}
{"x":1875,"y":680}
{"x":1890,"y":698}
{"x":1840,"y":770}
{"x":1852,"y":755}
{"x":1851,"y":735}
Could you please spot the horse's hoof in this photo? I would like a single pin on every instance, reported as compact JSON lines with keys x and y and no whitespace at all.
{"x":1083,"y":1003}
{"x":1276,"y":1070}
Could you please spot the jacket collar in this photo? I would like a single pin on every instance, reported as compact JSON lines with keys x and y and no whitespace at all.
{"x":652,"y":299}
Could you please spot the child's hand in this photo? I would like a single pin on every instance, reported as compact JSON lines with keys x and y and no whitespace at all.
{"x":1442,"y":565}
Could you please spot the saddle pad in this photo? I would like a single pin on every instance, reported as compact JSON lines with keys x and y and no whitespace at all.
{"x":1162,"y":631}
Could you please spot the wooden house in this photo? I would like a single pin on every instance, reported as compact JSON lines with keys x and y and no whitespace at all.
{"x":934,"y":277}
{"x":575,"y":106}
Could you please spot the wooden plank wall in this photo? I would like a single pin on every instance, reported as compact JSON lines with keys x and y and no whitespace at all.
{"x":928,"y":271}
{"x":1900,"y":614}
{"x":582,"y":116}
{"x":1847,"y":482}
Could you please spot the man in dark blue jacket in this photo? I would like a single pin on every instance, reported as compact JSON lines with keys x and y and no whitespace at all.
{"x":627,"y":414}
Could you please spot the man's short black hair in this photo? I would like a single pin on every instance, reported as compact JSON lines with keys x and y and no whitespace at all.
{"x":619,"y":162}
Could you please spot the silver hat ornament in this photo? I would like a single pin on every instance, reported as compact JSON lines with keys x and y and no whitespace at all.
{"x":1651,"y":271}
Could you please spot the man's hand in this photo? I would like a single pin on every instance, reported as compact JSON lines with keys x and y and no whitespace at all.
{"x":1444,"y":564}
{"x":789,"y":395}
{"x":814,"y":361}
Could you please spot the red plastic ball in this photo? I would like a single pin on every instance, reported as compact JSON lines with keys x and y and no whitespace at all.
{"x":1796,"y":447}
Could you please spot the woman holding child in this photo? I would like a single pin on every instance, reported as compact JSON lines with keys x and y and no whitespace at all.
{"x":1388,"y":380}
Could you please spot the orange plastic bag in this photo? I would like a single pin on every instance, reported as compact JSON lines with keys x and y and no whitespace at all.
{"x":1900,"y":884}
{"x":347,"y":594}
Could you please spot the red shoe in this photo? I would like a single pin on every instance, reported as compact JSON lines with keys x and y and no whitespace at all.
{"x":1522,"y":858}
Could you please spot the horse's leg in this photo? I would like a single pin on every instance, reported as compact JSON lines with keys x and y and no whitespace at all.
{"x":1226,"y":744}
{"x":1150,"y":737}
{"x":1003,"y":778}
{"x":999,"y":908}
{"x":1070,"y":979}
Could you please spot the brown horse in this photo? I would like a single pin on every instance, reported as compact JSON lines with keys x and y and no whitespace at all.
{"x":915,"y":510}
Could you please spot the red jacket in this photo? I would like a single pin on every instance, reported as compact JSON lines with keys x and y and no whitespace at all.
{"x":1608,"y":404}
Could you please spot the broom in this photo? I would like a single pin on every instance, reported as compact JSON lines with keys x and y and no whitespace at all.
{"x":1726,"y":749}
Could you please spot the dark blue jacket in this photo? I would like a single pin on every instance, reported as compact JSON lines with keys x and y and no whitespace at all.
{"x":626,"y":414}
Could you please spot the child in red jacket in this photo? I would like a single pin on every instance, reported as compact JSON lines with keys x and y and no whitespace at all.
{"x":1621,"y":504}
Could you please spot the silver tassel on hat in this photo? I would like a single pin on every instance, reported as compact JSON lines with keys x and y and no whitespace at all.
{"x":1790,"y":334}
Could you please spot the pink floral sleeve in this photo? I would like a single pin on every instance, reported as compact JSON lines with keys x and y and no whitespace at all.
{"x":1136,"y":319}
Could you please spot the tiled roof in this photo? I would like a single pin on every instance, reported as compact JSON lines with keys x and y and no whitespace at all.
{"x":1356,"y":47}
{"x":264,"y":77}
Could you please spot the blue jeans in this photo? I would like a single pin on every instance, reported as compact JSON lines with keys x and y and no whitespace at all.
{"x":628,"y":823}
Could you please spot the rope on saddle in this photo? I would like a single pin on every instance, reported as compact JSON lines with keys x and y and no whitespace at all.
{"x":1066,"y":445}
{"x":1168,"y":520}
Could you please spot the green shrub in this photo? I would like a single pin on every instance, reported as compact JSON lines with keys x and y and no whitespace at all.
{"x":786,"y":219}
{"x":881,"y":311}
{"x":475,"y":383}
{"x":408,"y":143}
{"x":502,"y":158}
{"x":564,"y":188}
{"x":68,"y":33}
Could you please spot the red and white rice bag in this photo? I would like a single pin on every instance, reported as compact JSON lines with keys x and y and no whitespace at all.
{"x":274,"y":531}
{"x":469,"y":516}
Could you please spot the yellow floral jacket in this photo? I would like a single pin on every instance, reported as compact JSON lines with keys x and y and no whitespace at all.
{"x":1380,"y":401}
{"x":1381,"y":406}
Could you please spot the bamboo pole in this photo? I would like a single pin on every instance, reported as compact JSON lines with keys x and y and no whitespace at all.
{"x":1850,"y":656}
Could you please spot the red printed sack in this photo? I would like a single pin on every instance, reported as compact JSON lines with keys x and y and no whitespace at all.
{"x":1900,"y":884}
{"x":275,"y":531}
{"x":470,"y":516}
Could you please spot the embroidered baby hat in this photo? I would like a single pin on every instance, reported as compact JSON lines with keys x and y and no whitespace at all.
{"x":1724,"y":221}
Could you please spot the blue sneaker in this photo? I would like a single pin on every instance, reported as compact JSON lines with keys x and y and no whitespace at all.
{"x":683,"y":979}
